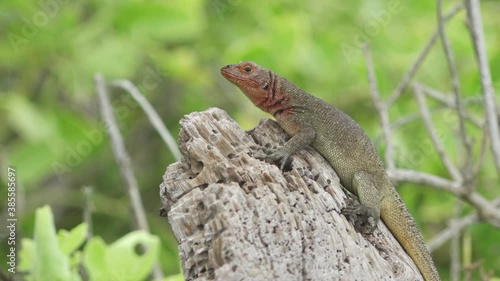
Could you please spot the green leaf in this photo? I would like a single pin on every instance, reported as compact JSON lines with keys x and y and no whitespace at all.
{"x":69,"y":241}
{"x":26,"y":254}
{"x":49,"y":262}
{"x":94,"y":258}
{"x":120,"y":260}
{"x":123,"y":253}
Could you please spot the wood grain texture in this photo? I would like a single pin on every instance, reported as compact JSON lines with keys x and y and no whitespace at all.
{"x":239,"y":218}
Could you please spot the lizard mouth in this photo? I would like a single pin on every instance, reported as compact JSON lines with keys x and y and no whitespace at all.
{"x":237,"y":79}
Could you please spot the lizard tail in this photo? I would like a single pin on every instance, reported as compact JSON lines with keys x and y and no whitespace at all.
{"x":400,"y":222}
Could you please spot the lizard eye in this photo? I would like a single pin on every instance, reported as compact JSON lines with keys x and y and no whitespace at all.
{"x":247,"y":69}
{"x":266,"y":86}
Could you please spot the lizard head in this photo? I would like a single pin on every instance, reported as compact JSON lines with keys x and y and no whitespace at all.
{"x":253,"y":80}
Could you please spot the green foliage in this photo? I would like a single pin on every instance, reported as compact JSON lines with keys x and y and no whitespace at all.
{"x":47,"y":256}
{"x":119,"y":261}
{"x":52,"y":257}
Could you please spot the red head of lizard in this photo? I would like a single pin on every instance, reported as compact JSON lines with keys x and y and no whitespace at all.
{"x":260,"y":85}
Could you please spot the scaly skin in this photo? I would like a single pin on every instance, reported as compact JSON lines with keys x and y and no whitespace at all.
{"x":336,"y":136}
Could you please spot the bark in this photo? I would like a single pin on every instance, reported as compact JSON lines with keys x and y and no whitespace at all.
{"x":239,"y":218}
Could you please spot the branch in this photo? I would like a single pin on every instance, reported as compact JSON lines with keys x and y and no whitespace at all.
{"x":121,"y":156}
{"x":491,"y":113}
{"x":421,"y":178}
{"x":123,"y":160}
{"x":482,"y":152}
{"x":443,"y":99}
{"x":405,"y":81}
{"x":381,"y":109}
{"x":457,"y":227}
{"x":88,"y":209}
{"x":426,"y":116}
{"x":405,"y":120}
{"x":488,"y":211}
{"x":467,"y":170}
{"x":455,"y":265}
{"x":153,"y":116}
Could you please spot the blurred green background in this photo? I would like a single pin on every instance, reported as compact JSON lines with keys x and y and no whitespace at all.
{"x":172,"y":51}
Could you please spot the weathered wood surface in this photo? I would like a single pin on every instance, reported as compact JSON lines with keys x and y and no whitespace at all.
{"x":239,"y":218}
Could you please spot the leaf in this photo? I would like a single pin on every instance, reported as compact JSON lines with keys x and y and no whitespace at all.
{"x":26,"y":254}
{"x":69,"y":241}
{"x":49,"y":262}
{"x":120,"y":260}
{"x":123,"y":254}
{"x":94,"y":258}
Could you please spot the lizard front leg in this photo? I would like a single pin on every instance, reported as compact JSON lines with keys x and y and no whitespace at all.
{"x":299,"y":141}
{"x":366,"y":213}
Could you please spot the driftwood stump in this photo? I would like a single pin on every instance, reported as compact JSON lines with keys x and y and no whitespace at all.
{"x":239,"y":218}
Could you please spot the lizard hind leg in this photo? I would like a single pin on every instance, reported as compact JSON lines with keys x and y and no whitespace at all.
{"x":366,"y":213}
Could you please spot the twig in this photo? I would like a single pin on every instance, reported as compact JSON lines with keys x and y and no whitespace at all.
{"x":123,"y":160}
{"x":87,"y":210}
{"x":421,"y":178}
{"x":426,"y":116}
{"x":120,"y":153}
{"x":476,"y":31}
{"x":455,"y":265}
{"x":405,"y":120}
{"x":381,"y":109}
{"x":489,"y":212}
{"x":487,"y":276}
{"x":482,"y":152}
{"x":467,"y":169}
{"x":405,"y":81}
{"x":443,"y":99}
{"x":459,"y":226}
{"x":153,"y":116}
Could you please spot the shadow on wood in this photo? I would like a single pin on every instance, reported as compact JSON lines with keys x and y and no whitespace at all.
{"x":239,"y":218}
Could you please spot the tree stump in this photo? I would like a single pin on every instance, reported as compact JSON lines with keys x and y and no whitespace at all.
{"x":239,"y":218}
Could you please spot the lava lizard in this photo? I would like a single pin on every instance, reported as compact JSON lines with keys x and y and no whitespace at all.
{"x":336,"y":136}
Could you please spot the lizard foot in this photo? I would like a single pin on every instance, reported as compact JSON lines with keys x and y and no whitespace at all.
{"x":279,"y":157}
{"x":360,"y":216}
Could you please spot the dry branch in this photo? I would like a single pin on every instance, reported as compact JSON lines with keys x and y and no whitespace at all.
{"x":490,"y":103}
{"x":489,"y":212}
{"x":239,"y":218}
{"x":120,"y":153}
{"x":434,"y":136}
{"x":383,"y":112}
{"x":123,"y":160}
{"x":405,"y":81}
{"x":457,"y":227}
{"x":153,"y":116}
